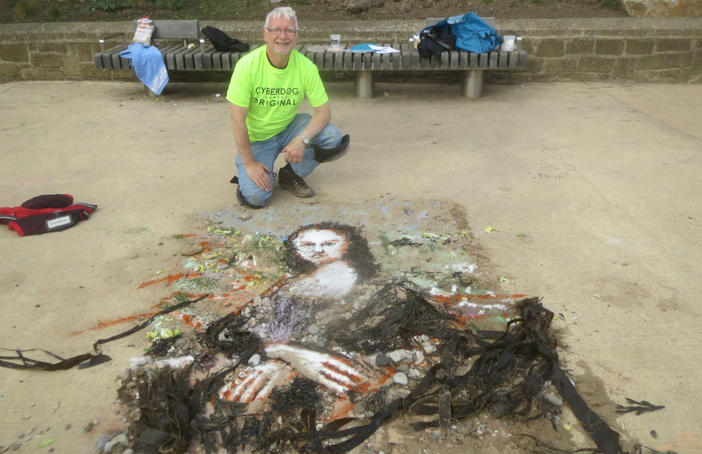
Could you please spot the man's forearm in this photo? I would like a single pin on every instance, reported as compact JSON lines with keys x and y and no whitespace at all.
{"x":320,"y":119}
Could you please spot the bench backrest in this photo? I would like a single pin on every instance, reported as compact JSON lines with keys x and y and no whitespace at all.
{"x":435,"y":20}
{"x":175,"y":29}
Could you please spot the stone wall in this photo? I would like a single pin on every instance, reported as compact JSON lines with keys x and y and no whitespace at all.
{"x":663,"y":8}
{"x":636,"y":49}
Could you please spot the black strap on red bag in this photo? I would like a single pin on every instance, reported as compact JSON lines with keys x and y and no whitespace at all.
{"x":45,"y":213}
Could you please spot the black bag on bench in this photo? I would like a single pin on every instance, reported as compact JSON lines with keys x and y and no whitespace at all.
{"x":436,"y":40}
{"x":222,"y":42}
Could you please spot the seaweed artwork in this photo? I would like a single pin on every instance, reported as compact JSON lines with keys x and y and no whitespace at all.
{"x":311,"y":339}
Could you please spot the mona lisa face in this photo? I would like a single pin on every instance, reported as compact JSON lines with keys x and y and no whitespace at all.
{"x":321,"y":246}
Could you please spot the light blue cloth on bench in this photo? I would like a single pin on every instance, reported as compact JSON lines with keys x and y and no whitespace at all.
{"x":148,"y":66}
{"x":370,"y":47}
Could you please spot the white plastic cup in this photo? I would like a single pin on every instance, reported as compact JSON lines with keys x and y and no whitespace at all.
{"x":508,"y":42}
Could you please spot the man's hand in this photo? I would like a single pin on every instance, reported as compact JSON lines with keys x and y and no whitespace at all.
{"x":259,"y":173}
{"x":294,"y":150}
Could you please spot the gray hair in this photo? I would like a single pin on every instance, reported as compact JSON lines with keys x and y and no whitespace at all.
{"x":282,"y":11}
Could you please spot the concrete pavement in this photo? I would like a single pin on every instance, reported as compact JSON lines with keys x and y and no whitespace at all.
{"x":603,"y":180}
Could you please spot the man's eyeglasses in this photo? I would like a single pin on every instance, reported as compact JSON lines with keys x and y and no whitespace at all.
{"x":280,"y":31}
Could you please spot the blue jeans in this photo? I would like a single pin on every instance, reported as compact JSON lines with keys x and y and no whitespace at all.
{"x":266,"y":151}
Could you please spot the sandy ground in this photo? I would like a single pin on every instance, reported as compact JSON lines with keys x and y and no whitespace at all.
{"x":604,"y":180}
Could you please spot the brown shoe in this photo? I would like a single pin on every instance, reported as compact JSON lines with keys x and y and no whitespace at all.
{"x":289,"y":180}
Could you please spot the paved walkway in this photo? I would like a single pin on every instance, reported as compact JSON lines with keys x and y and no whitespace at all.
{"x":605,"y":180}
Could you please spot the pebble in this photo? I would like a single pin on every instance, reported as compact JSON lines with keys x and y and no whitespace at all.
{"x":553,"y":399}
{"x":102,"y":441}
{"x":381,"y":360}
{"x":128,"y":451}
{"x":429,"y":348}
{"x":400,"y":378}
{"x":68,"y":427}
{"x":90,"y":425}
{"x":255,"y":360}
{"x":26,"y":416}
{"x":120,"y":439}
{"x":245,"y":216}
{"x":313,"y":329}
{"x":397,"y":355}
{"x":191,"y":251}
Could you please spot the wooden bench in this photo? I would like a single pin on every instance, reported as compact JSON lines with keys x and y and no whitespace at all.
{"x":184,"y":50}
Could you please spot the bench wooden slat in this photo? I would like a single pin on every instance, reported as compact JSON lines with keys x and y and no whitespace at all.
{"x":105,"y":58}
{"x":348,"y":61}
{"x":414,"y":61}
{"x":356,"y":66}
{"x":445,"y":60}
{"x":396,"y":60}
{"x":319,"y":59}
{"x":217,"y":60}
{"x":179,"y":55}
{"x":375,"y":61}
{"x":483,"y":60}
{"x":203,"y":59}
{"x":168,"y":56}
{"x":504,"y":59}
{"x":473,"y":60}
{"x":227,"y":64}
{"x":190,"y":64}
{"x":116,"y":61}
{"x":339,"y":59}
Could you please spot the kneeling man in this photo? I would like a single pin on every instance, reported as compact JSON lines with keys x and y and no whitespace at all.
{"x":266,"y":90}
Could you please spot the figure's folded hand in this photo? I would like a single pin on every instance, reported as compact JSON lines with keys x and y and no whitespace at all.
{"x":256,"y":383}
{"x":337,"y":373}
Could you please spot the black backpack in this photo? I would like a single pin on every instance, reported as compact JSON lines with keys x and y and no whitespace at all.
{"x":434,"y":40}
{"x":222,"y":42}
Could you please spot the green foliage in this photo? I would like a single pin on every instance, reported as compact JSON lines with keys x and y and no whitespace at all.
{"x":23,"y":8}
{"x":107,"y":5}
{"x":614,"y":5}
{"x":169,"y":4}
{"x":54,"y":13}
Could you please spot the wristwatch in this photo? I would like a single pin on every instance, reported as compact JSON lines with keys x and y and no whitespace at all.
{"x":304,"y":138}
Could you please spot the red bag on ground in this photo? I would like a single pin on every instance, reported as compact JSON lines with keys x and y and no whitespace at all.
{"x":45,"y":213}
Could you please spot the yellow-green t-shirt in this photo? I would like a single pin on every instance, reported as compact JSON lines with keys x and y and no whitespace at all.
{"x":273,"y":95}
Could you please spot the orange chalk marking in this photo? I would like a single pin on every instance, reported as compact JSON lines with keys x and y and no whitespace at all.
{"x":107,"y":323}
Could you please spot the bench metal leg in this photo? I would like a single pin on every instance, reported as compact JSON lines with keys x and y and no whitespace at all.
{"x":149,"y":93}
{"x":472,"y":86}
{"x":364,"y":84}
